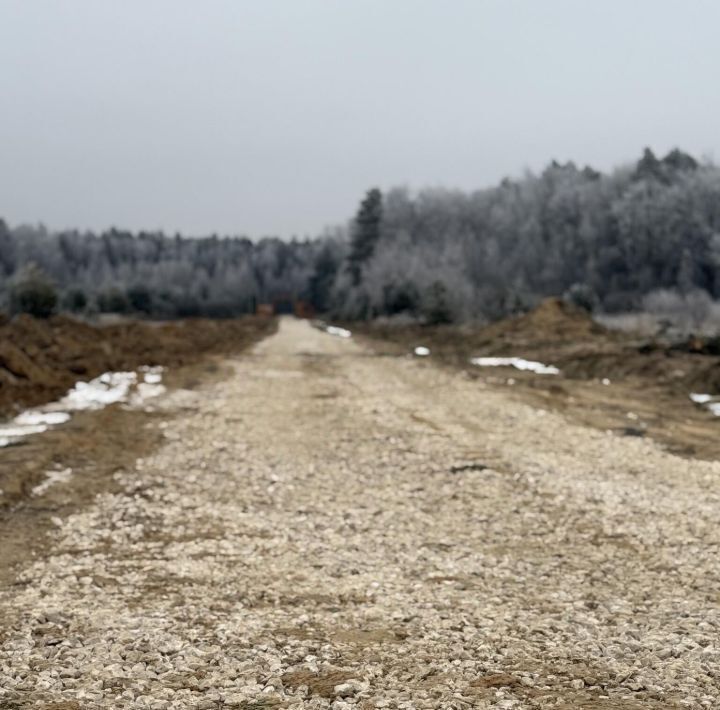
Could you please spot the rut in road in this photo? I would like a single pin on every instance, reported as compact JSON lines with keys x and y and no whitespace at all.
{"x":332,"y":528}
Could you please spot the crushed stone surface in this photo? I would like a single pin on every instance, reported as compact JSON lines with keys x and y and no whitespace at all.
{"x":332,"y":529}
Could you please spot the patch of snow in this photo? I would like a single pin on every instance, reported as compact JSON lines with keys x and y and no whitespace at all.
{"x":152,"y":375}
{"x":700,"y":398}
{"x":34,"y":417}
{"x":516,"y":362}
{"x":710,"y":402}
{"x":339,"y":332}
{"x":13,"y":431}
{"x":52,"y":477}
{"x":421,"y":351}
{"x":109,"y":388}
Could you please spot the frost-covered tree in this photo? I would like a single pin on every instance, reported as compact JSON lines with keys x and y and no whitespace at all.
{"x":437,"y":254}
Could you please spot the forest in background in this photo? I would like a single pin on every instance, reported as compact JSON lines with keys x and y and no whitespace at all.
{"x":643,"y":235}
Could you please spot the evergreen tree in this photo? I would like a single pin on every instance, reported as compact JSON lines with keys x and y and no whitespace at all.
{"x":321,"y":282}
{"x":437,"y":305}
{"x":648,"y":167}
{"x":365,"y":233}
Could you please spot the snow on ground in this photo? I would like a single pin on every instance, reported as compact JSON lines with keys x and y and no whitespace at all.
{"x":711,"y":403}
{"x":700,"y":398}
{"x":516,"y":362}
{"x":339,"y":332}
{"x":108,"y":388}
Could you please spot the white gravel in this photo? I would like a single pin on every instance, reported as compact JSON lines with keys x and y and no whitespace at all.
{"x":375,"y":533}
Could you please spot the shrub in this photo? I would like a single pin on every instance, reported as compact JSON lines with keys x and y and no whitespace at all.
{"x":436,"y":306}
{"x":113,"y":301}
{"x":32,"y":292}
{"x":582,"y":296}
{"x":75,"y":300}
{"x":140,"y":298}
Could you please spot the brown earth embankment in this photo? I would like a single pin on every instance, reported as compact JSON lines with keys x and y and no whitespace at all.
{"x":559,"y":334}
{"x":41,"y":359}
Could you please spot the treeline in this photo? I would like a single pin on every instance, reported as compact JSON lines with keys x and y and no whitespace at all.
{"x":606,"y":241}
{"x":150,"y":273}
{"x":643,"y":233}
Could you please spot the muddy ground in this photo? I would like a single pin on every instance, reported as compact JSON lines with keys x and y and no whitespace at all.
{"x":41,"y":359}
{"x":650,"y":379}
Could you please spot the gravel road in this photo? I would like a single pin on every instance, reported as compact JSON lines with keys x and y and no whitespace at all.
{"x":328,"y":528}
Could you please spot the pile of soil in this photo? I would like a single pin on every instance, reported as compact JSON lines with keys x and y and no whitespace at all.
{"x":553,"y":322}
{"x":557,"y":333}
{"x":553,"y":326}
{"x":41,"y":359}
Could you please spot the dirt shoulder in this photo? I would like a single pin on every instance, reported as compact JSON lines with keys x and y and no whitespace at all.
{"x":96,"y":445}
{"x":625,"y":383}
{"x":41,"y":359}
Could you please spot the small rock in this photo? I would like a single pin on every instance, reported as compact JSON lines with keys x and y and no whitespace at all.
{"x":348,"y":689}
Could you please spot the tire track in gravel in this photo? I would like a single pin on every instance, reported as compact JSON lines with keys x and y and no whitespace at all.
{"x":330,"y":529}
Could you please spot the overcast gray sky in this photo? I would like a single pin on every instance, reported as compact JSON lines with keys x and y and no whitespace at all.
{"x":274,"y":116}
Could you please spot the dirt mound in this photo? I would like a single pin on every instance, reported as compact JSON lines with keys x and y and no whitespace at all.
{"x":41,"y":359}
{"x":560,"y":334}
{"x":554,"y":331}
{"x":553,"y":320}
